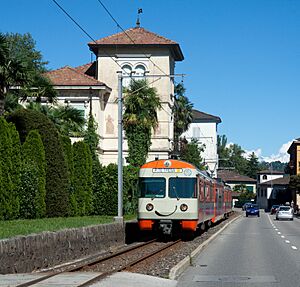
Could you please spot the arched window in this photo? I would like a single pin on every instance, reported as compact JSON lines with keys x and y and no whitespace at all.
{"x":264,"y":176}
{"x":126,"y":71}
{"x":140,"y":70}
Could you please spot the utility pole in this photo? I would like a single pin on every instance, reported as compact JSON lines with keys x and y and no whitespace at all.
{"x":119,"y":218}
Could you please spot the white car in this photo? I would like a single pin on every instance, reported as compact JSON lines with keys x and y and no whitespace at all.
{"x":284,"y":212}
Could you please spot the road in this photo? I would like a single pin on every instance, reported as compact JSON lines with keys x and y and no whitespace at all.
{"x":252,"y":251}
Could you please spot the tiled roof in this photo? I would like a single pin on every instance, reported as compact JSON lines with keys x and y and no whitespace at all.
{"x":232,"y":176}
{"x":88,"y":69}
{"x":199,"y":116}
{"x":136,"y":37}
{"x":278,"y":181}
{"x":268,"y":171}
{"x":139,"y":36}
{"x":67,"y":76}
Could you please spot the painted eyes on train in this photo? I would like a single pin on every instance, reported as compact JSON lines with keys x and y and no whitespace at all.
{"x":149,"y":207}
{"x":183,"y":207}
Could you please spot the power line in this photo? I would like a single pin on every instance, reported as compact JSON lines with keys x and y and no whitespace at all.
{"x":85,"y":32}
{"x":124,"y":31}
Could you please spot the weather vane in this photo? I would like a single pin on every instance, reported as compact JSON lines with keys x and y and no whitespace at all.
{"x":140,"y":11}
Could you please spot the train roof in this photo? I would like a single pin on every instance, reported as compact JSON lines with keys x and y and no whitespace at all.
{"x":174,"y":163}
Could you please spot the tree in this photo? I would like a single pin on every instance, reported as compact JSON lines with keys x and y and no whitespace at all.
{"x":82,"y":179}
{"x":141,"y":103}
{"x":183,"y":114}
{"x":57,"y":193}
{"x":34,"y":154}
{"x":223,"y":152}
{"x":252,"y":167}
{"x":91,"y":137}
{"x":13,"y":72}
{"x":191,"y":152}
{"x":237,"y":159}
{"x":21,"y":66}
{"x":8,"y":210}
{"x":68,"y":120}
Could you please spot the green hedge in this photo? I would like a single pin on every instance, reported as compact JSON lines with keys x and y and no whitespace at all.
{"x":57,"y":194}
{"x":33,"y":153}
{"x":82,"y":180}
{"x":9,"y":204}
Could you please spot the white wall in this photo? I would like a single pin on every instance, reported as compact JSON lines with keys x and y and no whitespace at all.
{"x":205,"y":133}
{"x":107,"y":73}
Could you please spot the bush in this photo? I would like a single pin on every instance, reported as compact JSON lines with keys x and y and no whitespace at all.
{"x":33,"y":153}
{"x":99,"y":187}
{"x":28,"y":191}
{"x":105,"y":189}
{"x":8,"y":198}
{"x":130,"y":187}
{"x":82,"y":179}
{"x":57,"y":196}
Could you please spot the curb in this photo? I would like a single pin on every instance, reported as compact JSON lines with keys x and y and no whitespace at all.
{"x":178,"y":269}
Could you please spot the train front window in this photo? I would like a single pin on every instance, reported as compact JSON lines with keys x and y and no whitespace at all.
{"x":154,"y":187}
{"x":182,"y":187}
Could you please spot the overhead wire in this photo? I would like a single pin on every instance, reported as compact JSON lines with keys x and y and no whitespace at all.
{"x":130,"y":38}
{"x":119,"y":26}
{"x":85,"y":32}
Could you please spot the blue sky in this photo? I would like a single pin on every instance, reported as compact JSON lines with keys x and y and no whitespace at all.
{"x":242,"y":57}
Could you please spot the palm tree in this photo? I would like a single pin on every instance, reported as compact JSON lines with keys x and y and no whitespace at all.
{"x":13,"y":72}
{"x":20,"y":76}
{"x":68,"y":120}
{"x":183,"y":114}
{"x":141,"y":103}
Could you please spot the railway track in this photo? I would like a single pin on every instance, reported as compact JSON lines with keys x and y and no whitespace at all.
{"x":125,"y":259}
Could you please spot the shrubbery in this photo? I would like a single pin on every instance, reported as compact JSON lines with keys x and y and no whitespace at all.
{"x":34,"y":155}
{"x":48,"y":176}
{"x":82,"y":179}
{"x":57,"y":194}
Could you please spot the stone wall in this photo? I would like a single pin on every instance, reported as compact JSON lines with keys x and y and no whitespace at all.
{"x":27,"y":253}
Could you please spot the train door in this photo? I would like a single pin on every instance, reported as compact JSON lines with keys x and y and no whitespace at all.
{"x":201,"y":201}
{"x":220,"y":198}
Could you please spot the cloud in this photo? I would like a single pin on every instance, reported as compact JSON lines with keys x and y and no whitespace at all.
{"x":282,"y":154}
{"x":249,"y":152}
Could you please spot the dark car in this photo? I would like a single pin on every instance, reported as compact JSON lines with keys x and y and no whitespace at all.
{"x":274,"y":208}
{"x":245,"y":206}
{"x":252,"y":209}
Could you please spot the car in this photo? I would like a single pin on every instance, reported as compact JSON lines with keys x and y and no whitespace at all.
{"x":252,"y":209}
{"x":274,"y":209}
{"x":285,"y":212}
{"x":244,"y":207}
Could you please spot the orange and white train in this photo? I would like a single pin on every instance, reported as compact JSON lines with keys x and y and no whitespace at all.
{"x":176,"y":196}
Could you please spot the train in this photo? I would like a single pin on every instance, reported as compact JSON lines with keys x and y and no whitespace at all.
{"x":175,"y":196}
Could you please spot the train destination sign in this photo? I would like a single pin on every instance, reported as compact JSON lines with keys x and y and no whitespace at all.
{"x":167,"y":170}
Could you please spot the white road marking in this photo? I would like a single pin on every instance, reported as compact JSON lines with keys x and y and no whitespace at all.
{"x":287,"y":241}
{"x":276,"y":229}
{"x":282,"y":236}
{"x":279,"y":232}
{"x":294,"y":247}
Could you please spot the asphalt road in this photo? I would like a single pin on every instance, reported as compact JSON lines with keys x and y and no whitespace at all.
{"x":252,"y":251}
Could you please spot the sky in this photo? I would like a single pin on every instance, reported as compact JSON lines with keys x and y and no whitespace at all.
{"x":242,"y":57}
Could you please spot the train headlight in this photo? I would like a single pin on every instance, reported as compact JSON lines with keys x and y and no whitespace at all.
{"x":183,"y":207}
{"x":149,"y":206}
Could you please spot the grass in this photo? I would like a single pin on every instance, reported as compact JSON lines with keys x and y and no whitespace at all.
{"x":14,"y":228}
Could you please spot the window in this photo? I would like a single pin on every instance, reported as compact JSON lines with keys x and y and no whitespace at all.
{"x":182,"y":187}
{"x":196,"y":132}
{"x":126,"y":71}
{"x":140,"y":71}
{"x":264,"y":176}
{"x":154,"y":187}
